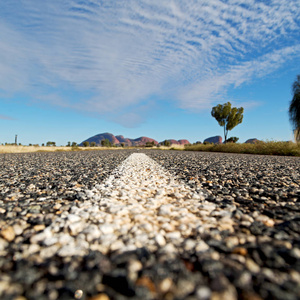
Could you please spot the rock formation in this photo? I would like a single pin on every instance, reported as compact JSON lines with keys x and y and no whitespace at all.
{"x":121,"y":139}
{"x":175,"y":142}
{"x":183,"y":142}
{"x":214,"y":140}
{"x":118,"y":139}
{"x":102,"y":136}
{"x":141,"y":141}
{"x":252,"y":141}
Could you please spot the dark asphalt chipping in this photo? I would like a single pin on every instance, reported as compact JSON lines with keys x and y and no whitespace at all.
{"x":266,"y":183}
{"x":54,"y":173}
{"x":32,"y":184}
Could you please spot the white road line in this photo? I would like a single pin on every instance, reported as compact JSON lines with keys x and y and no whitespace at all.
{"x":139,"y":205}
{"x":149,"y":206}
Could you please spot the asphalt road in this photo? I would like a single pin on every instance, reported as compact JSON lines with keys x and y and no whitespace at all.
{"x":248,"y":246}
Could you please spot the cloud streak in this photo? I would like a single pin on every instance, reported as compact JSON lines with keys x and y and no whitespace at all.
{"x":202,"y":94}
{"x":3,"y":117}
{"x":116,"y":54}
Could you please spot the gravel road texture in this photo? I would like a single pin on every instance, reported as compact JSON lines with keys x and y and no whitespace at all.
{"x":109,"y":225}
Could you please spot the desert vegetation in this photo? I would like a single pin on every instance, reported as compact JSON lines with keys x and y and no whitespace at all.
{"x":227,"y":116}
{"x":35,"y":148}
{"x":264,"y":148}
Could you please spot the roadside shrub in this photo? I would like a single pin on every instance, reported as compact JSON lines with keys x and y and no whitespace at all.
{"x":232,"y":139}
{"x":106,"y":143}
{"x":150,"y":144}
{"x":166,"y":143}
{"x":265,"y":148}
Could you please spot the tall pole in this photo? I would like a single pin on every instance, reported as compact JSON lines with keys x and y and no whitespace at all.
{"x":16,"y":139}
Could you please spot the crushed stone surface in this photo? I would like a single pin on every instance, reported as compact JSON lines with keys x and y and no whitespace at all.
{"x":150,"y":224}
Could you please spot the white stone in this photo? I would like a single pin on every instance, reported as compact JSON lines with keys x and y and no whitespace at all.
{"x":50,"y":241}
{"x":296,"y":253}
{"x":189,"y":244}
{"x":201,"y":246}
{"x":18,"y":229}
{"x":73,"y":218}
{"x":92,"y":233}
{"x":165,"y":210}
{"x":65,"y":239}
{"x":203,"y":292}
{"x":45,"y":234}
{"x":165,"y":285}
{"x":160,"y":240}
{"x":107,"y":228}
{"x":116,"y":245}
{"x":76,"y":227}
{"x":70,"y":250}
{"x":169,"y":248}
{"x":49,"y":251}
{"x":33,"y":248}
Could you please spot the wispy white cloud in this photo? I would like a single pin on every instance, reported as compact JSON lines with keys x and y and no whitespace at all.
{"x":3,"y":117}
{"x":116,"y":54}
{"x":203,"y":93}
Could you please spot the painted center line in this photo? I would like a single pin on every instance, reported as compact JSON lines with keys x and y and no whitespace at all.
{"x":139,"y":205}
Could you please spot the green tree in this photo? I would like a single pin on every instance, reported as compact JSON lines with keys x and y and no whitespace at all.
{"x":150,"y":144}
{"x":74,"y":144}
{"x":166,"y":143}
{"x":294,"y":110}
{"x":232,"y":139}
{"x":69,"y":144}
{"x":86,"y":144}
{"x":93,"y":144}
{"x":227,"y":116}
{"x":106,"y":143}
{"x":51,"y":144}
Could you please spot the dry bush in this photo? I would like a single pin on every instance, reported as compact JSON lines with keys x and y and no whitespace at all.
{"x":266,"y":148}
{"x":26,"y":149}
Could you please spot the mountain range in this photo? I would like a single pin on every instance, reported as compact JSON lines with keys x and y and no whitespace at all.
{"x":118,"y":139}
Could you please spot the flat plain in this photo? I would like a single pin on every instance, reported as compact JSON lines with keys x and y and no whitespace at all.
{"x":77,"y":225}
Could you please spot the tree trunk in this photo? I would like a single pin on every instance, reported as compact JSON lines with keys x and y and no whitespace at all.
{"x":225,"y":133}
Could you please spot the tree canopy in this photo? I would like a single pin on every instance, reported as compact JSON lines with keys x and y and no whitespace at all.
{"x":294,"y":110}
{"x":106,"y":143}
{"x":49,"y":143}
{"x":166,"y":143}
{"x":227,"y":116}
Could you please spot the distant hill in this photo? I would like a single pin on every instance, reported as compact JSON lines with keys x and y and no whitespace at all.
{"x":117,"y":140}
{"x":179,"y":142}
{"x":141,"y":141}
{"x":102,"y":136}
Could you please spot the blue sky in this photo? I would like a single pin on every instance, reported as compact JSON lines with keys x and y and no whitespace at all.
{"x":72,"y":69}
